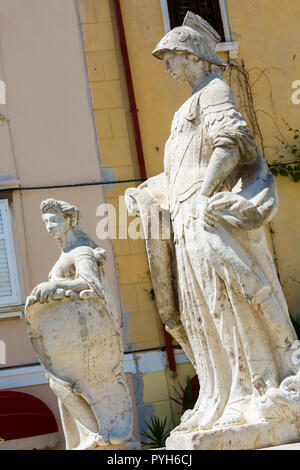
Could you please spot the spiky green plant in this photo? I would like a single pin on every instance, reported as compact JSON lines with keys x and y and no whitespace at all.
{"x":292,"y":150}
{"x":184,"y":395}
{"x":156,"y":433}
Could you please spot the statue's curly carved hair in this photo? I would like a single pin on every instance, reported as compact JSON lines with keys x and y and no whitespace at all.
{"x":71,"y":213}
{"x":68,"y":210}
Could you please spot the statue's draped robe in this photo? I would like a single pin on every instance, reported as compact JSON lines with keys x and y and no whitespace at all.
{"x":232,"y":315}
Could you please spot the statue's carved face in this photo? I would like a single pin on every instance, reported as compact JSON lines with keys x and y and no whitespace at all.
{"x":176,"y":64}
{"x":56,"y":224}
{"x":184,"y":66}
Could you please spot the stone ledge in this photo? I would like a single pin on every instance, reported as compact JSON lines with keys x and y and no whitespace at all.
{"x":295,"y":446}
{"x":245,"y":437}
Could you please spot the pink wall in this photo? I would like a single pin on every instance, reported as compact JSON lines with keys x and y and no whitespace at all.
{"x":47,"y":95}
{"x":49,"y":138}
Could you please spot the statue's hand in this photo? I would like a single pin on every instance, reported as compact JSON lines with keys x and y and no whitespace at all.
{"x":208,"y":216}
{"x":211,"y":208}
{"x":43,"y":292}
{"x":30,"y":300}
{"x":234,"y":209}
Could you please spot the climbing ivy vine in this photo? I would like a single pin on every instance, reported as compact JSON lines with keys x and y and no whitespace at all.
{"x":291,"y":167}
{"x":288,"y":161}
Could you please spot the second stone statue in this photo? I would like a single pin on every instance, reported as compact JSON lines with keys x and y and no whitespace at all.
{"x":75,"y":331}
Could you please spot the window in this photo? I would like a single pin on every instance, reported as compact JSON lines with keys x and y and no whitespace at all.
{"x":9,"y":286}
{"x":213,"y":11}
{"x":207,"y":9}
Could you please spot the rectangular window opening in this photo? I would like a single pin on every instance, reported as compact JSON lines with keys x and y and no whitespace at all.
{"x":209,"y":10}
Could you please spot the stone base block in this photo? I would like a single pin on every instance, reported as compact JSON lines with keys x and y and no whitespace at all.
{"x":245,"y":437}
{"x":294,"y":446}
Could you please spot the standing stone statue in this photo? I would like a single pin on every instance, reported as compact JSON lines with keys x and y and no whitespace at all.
{"x":215,"y":282}
{"x":75,"y":331}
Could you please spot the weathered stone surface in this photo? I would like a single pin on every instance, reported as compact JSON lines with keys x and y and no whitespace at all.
{"x":244,"y":437}
{"x":214,"y":279}
{"x":293,"y":446}
{"x":75,"y":332}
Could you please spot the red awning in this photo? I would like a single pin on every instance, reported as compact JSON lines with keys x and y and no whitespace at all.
{"x":22,"y":415}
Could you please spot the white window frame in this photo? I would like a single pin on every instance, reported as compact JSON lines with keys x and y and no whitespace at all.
{"x":13,"y":300}
{"x":227,"y":46}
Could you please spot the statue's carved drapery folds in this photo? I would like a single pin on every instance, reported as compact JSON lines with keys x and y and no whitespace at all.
{"x":75,"y":331}
{"x":215,"y":281}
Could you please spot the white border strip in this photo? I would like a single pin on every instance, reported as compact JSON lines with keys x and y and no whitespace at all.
{"x":22,"y":377}
{"x":34,"y":442}
{"x":152,"y":361}
{"x":225,"y":20}
{"x":165,"y":14}
{"x":231,"y":47}
{"x":134,"y":363}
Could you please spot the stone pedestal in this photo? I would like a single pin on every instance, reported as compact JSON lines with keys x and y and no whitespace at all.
{"x":293,"y":446}
{"x":246,"y":437}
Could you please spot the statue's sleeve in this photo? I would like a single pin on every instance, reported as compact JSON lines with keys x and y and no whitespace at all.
{"x":224,"y":125}
{"x":87,"y":268}
{"x":253,"y":201}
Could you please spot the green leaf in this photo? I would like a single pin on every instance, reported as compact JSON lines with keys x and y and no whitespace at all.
{"x":157,"y":432}
{"x":179,"y":402}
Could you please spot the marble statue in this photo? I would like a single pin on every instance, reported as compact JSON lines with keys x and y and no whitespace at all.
{"x":75,"y":331}
{"x":215,"y":283}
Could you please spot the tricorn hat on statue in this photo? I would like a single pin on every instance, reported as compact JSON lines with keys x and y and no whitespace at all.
{"x":195,"y":36}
